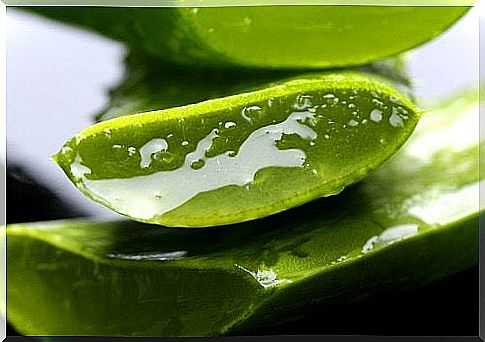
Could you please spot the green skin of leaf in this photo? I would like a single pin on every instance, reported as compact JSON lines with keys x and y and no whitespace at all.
{"x":149,"y":85}
{"x":336,"y":141}
{"x":413,"y":221}
{"x":266,"y":36}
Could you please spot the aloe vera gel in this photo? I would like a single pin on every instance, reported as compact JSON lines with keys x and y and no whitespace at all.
{"x":241,"y":157}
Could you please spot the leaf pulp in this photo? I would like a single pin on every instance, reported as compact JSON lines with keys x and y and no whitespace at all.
{"x":241,"y":157}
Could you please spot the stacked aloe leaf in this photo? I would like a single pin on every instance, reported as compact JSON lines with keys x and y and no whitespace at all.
{"x":271,"y":164}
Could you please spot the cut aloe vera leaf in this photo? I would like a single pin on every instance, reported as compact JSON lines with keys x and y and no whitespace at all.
{"x":241,"y":157}
{"x":266,"y":36}
{"x":150,"y":85}
{"x":413,"y":221}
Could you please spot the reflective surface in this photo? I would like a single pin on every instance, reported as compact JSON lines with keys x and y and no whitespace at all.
{"x":314,"y":36}
{"x":241,"y":157}
{"x":368,"y":239}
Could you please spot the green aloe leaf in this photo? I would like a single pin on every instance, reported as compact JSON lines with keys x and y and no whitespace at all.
{"x":266,"y":36}
{"x":413,"y":221}
{"x":150,"y":85}
{"x":241,"y":157}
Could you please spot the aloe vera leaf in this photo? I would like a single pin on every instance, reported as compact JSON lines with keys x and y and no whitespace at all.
{"x":266,"y":36}
{"x":413,"y":221}
{"x":241,"y":157}
{"x":150,"y":85}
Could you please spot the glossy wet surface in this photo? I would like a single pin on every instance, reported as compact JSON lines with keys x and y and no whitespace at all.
{"x":316,"y":141}
{"x":355,"y":240}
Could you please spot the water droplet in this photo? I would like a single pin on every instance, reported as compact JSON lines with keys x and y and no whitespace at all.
{"x":78,"y":170}
{"x":251,"y":113}
{"x":149,"y":256}
{"x":395,"y":120}
{"x":151,"y":149}
{"x":265,"y":278}
{"x":117,"y":146}
{"x":390,"y":235}
{"x":364,"y":121}
{"x":331,"y":99}
{"x":402,"y":112}
{"x":66,"y":149}
{"x":315,"y":172}
{"x":369,"y":245}
{"x":131,"y":151}
{"x":312,"y":143}
{"x":170,"y":135}
{"x":353,"y":123}
{"x":303,"y":102}
{"x":107,"y":132}
{"x":376,"y":115}
{"x":327,"y":136}
{"x":378,"y":102}
{"x":229,"y":124}
{"x":351,"y":105}
{"x":185,"y":143}
{"x":394,"y":99}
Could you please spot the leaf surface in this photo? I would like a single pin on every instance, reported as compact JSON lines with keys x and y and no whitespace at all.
{"x":266,"y":36}
{"x":244,"y":156}
{"x":413,"y":221}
